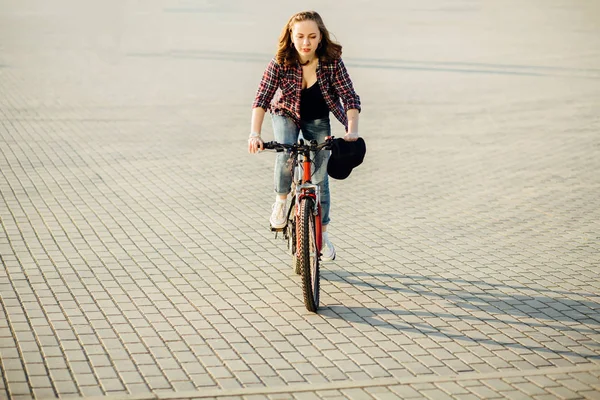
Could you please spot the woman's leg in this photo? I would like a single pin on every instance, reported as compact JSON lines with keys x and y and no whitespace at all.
{"x":318,"y":130}
{"x":285,"y":131}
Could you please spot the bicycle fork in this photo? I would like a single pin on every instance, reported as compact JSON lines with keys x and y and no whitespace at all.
{"x":303,"y":191}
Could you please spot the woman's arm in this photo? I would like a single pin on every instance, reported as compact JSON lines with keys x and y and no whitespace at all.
{"x":266,"y":90}
{"x":352,"y":133}
{"x":268,"y":86}
{"x":255,"y":141}
{"x":258,"y":116}
{"x":344,"y":88}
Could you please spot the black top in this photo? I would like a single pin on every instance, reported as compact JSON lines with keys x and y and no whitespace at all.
{"x":312,"y":104}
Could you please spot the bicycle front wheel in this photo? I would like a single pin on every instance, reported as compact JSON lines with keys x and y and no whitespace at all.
{"x":309,"y":254}
{"x":291,"y":234}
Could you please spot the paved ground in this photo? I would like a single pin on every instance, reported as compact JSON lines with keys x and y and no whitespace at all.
{"x":136,"y":259}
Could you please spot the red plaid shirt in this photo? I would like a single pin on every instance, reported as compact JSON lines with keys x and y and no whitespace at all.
{"x":280,"y":87}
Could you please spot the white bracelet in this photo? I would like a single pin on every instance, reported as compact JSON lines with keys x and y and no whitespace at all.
{"x":254,"y":135}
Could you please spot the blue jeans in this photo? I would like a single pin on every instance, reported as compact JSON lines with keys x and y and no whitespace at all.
{"x":286,"y":131}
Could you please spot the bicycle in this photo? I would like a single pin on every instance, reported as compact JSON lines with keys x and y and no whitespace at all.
{"x":303,"y":229}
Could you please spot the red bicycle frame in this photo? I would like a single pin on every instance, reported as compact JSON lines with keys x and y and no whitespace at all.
{"x":304,"y":192}
{"x":304,"y":187}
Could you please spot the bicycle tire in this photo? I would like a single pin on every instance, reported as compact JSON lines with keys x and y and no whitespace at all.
{"x":309,"y":254}
{"x":292,"y":235}
{"x":291,"y":244}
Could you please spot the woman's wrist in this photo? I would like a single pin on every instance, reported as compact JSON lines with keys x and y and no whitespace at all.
{"x":254,"y":135}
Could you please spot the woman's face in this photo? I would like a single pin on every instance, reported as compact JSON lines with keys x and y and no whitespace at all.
{"x":306,"y":38}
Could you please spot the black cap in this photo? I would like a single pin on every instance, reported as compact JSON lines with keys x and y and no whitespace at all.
{"x":345,"y":156}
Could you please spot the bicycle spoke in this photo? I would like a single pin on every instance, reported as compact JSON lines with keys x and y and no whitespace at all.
{"x":308,"y":255}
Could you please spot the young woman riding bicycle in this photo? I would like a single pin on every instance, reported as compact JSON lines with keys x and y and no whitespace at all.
{"x":303,"y":83}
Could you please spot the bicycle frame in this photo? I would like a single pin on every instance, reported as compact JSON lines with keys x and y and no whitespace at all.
{"x":306,"y":188}
{"x":303,"y":229}
{"x":302,"y":185}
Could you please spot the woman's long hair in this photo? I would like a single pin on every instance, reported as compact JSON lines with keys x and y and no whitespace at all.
{"x":327,"y":50}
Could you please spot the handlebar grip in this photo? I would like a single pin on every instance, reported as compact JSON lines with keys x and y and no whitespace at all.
{"x":273,"y":146}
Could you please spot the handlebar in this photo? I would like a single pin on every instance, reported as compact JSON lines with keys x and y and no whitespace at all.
{"x":300,"y":146}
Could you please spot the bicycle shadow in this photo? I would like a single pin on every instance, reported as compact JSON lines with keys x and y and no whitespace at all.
{"x":466,"y":299}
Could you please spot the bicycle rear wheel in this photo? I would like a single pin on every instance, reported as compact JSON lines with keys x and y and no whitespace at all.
{"x":309,"y":254}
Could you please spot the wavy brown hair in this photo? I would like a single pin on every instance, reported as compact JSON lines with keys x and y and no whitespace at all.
{"x":328,"y":50}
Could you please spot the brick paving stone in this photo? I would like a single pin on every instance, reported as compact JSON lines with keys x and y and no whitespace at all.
{"x":576,"y":384}
{"x":18,"y":388}
{"x":591,"y":394}
{"x":451,"y":388}
{"x":379,"y":392}
{"x":497,"y":385}
{"x":563,"y":392}
{"x":484,"y":392}
{"x":356,"y":394}
{"x":334,"y":374}
{"x":44,"y":393}
{"x":348,"y":366}
{"x":542,"y":381}
{"x":304,"y":396}
{"x":112,"y":385}
{"x":434,"y":394}
{"x":132,"y":261}
{"x":546,"y":397}
{"x":91,"y":391}
{"x":514,"y":395}
{"x":529,"y":389}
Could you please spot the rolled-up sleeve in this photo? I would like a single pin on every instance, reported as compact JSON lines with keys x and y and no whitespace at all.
{"x":343,"y":86}
{"x":268,"y":86}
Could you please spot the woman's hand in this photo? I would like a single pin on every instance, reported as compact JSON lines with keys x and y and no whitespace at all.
{"x":255,"y":144}
{"x":351,"y":137}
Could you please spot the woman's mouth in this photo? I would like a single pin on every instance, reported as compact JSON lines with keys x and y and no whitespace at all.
{"x":305,"y":50}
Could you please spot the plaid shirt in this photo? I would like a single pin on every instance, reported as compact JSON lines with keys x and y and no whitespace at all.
{"x":280,"y":88}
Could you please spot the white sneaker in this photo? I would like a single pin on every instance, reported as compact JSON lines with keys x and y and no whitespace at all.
{"x":327,"y":250}
{"x":278,"y":216}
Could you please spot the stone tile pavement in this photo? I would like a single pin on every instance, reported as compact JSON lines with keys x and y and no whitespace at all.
{"x":136,"y":260}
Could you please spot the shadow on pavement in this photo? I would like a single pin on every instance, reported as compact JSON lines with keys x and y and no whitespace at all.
{"x":540,"y":305}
